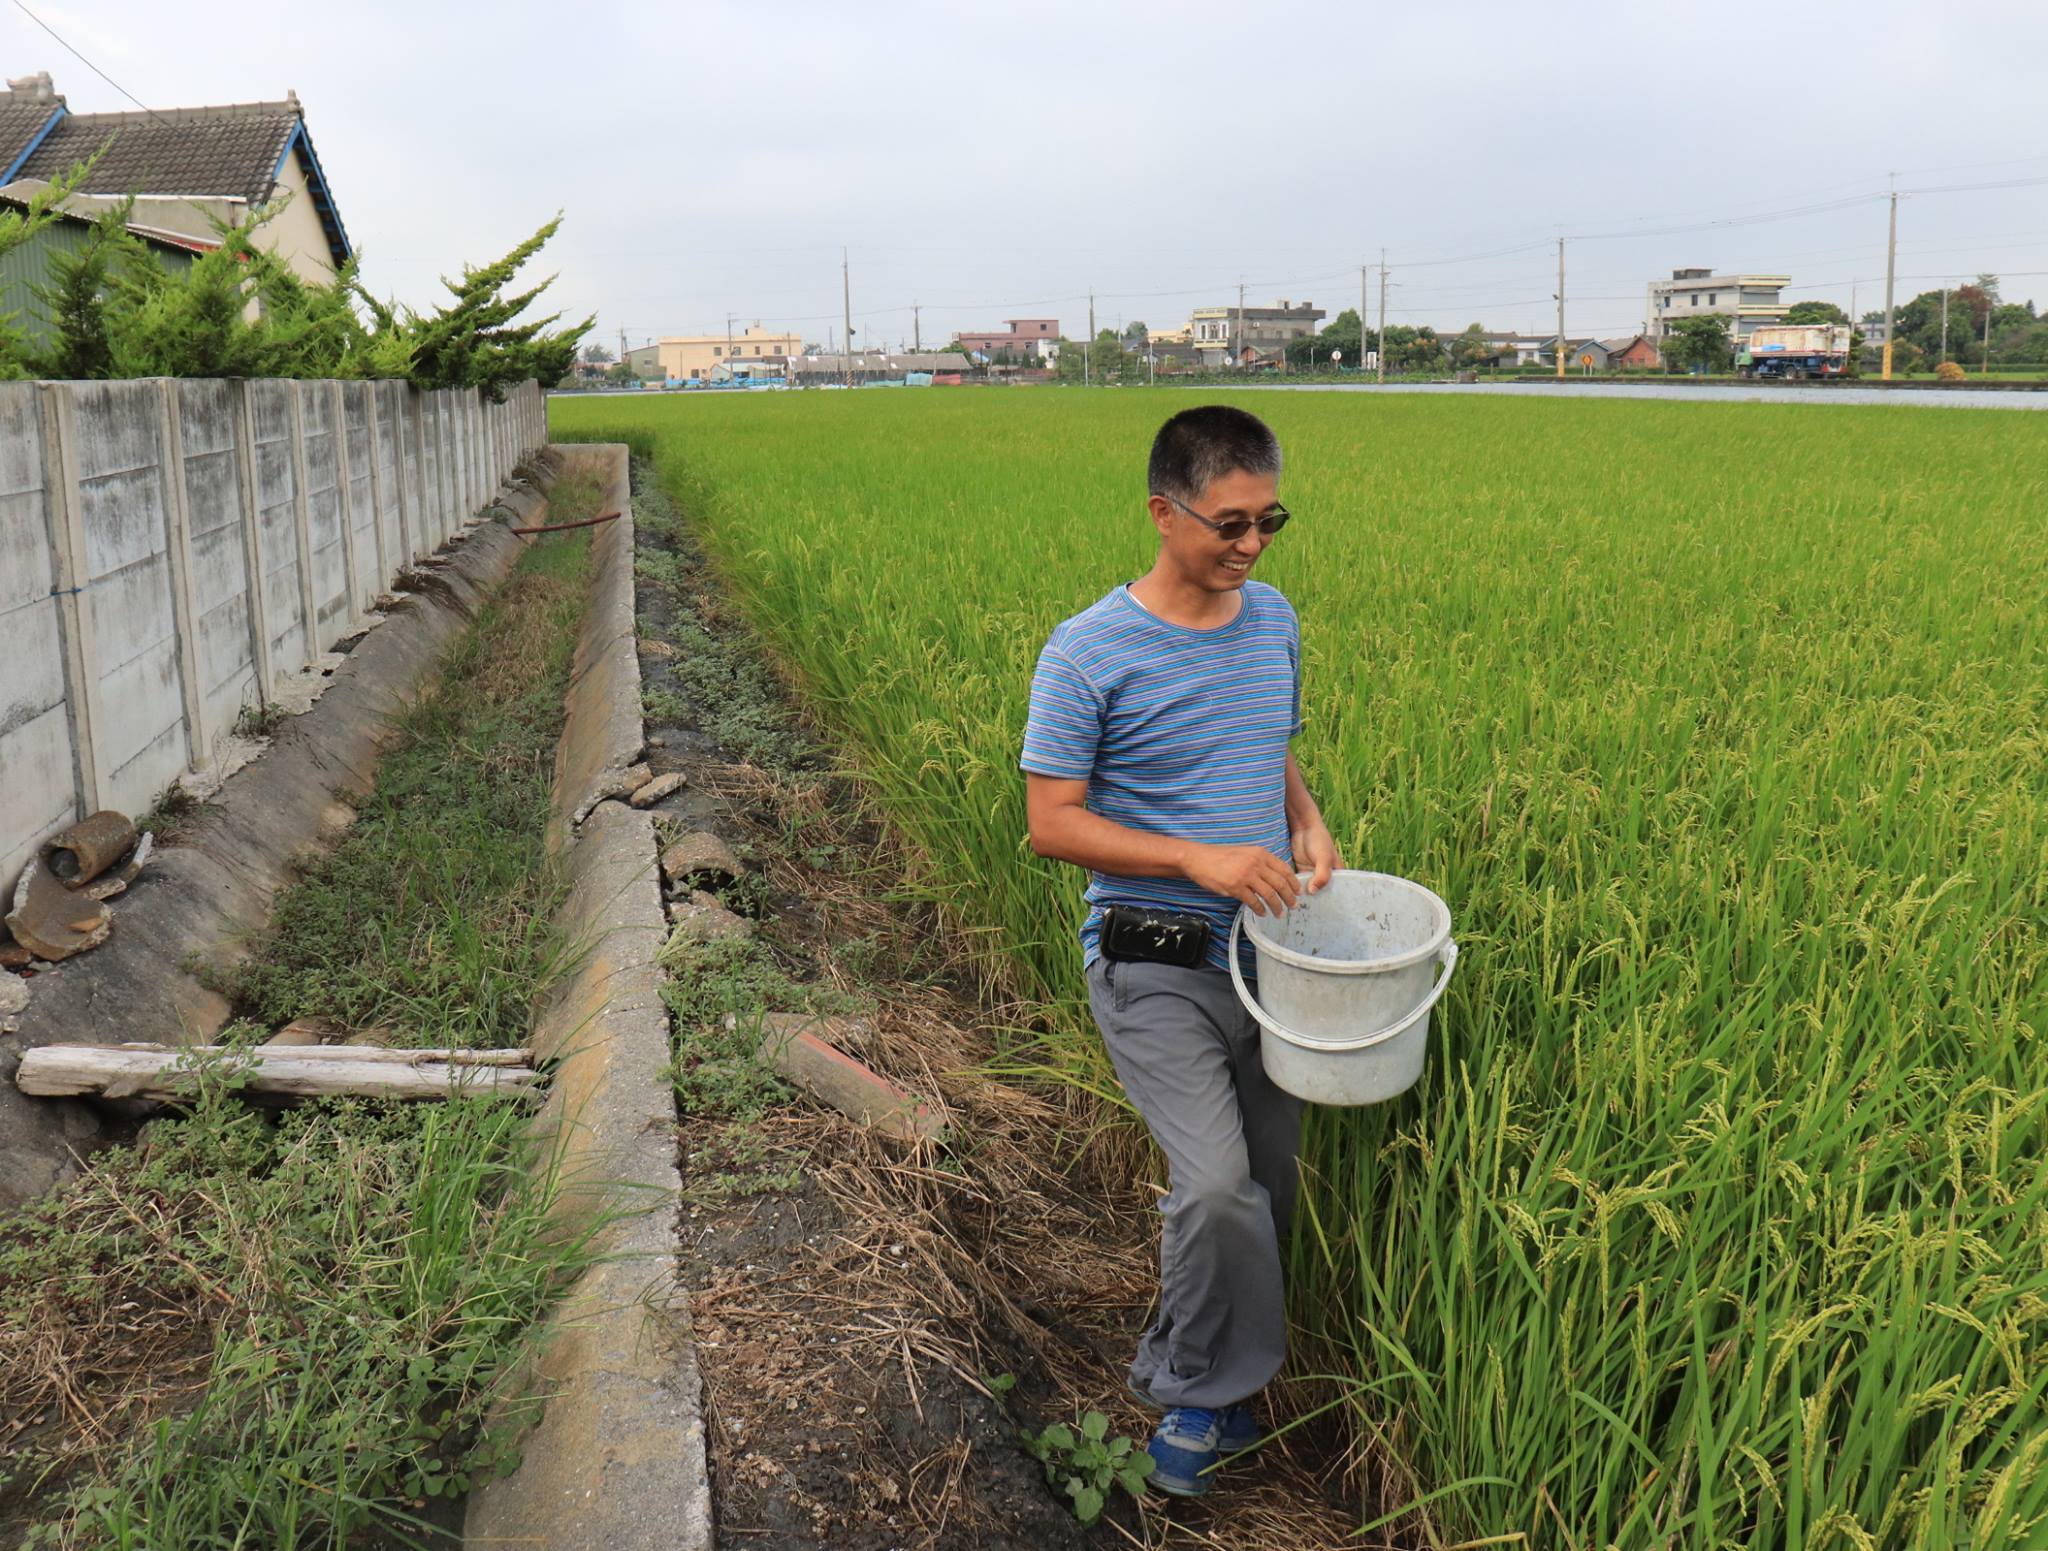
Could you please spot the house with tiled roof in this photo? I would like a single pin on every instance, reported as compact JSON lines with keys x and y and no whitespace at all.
{"x":185,"y":168}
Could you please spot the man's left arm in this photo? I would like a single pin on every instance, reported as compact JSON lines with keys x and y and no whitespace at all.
{"x":1313,"y":847}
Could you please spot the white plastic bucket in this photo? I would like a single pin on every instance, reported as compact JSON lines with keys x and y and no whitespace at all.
{"x":1345,"y":986}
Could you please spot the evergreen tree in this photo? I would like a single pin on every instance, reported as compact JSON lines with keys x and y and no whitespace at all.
{"x":473,"y":342}
{"x":75,"y":301}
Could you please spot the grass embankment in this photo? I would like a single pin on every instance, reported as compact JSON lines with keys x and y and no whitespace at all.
{"x":248,"y":1330}
{"x":1719,"y":1217}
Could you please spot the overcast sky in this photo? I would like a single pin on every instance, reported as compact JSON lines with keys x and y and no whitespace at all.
{"x":991,"y":160}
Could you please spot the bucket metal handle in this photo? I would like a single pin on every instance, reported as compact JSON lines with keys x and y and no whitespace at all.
{"x":1448,"y":953}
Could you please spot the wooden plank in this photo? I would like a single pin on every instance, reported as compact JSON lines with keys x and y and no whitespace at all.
{"x":66,"y":1071}
{"x":339,"y":1053}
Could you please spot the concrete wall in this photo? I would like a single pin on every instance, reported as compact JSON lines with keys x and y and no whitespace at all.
{"x":171,"y":550}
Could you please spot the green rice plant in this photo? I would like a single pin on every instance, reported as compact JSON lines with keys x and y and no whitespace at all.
{"x":1719,"y":1216}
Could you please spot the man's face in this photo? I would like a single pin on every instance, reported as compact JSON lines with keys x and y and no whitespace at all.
{"x":1195,"y":551}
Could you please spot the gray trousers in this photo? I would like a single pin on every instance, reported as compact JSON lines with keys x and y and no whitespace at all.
{"x":1188,"y":1057}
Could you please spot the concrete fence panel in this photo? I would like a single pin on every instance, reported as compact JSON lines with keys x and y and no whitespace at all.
{"x":458,"y":473}
{"x":371,"y":570}
{"x":287,"y":589}
{"x":435,"y":472}
{"x":412,"y":447}
{"x":41,"y":790}
{"x":208,"y":480}
{"x":387,"y":422}
{"x":170,"y":550}
{"x":327,"y":528}
{"x":118,"y":496}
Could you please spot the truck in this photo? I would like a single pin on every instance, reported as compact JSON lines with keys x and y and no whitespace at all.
{"x":1796,"y":350}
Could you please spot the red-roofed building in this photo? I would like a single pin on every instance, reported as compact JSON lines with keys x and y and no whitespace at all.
{"x":1025,"y":336}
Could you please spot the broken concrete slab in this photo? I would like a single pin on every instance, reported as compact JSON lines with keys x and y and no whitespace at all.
{"x":14,"y":996}
{"x":807,"y":1049}
{"x":701,"y":918}
{"x":654,"y":791}
{"x":54,"y":922}
{"x":700,"y":857}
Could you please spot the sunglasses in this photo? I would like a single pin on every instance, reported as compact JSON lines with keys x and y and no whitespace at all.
{"x":1234,"y":528}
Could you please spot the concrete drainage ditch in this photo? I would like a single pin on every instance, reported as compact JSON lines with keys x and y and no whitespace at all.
{"x":616,"y":1457}
{"x":218,"y":880}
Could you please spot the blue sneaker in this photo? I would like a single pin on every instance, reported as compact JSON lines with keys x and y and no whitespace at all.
{"x":1237,"y":1431}
{"x":1190,"y":1441}
{"x":1184,"y":1450}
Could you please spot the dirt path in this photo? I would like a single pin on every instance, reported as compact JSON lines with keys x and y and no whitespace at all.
{"x":876,"y":1322}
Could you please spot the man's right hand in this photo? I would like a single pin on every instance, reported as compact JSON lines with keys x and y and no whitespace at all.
{"x":1251,"y":875}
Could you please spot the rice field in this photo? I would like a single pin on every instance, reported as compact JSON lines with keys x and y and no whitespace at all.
{"x":1719,"y":1218}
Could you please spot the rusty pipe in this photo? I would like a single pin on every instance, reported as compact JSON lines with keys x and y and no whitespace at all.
{"x":78,"y":855}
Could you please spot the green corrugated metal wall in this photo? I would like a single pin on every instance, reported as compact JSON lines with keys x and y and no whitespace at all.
{"x":28,"y":265}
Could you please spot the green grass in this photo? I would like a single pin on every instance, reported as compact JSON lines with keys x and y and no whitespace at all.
{"x":1719,"y":1216}
{"x":286,"y":1332}
{"x":431,"y":915}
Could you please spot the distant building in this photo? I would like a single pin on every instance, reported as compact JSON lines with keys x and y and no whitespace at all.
{"x":1249,"y":336}
{"x":186,"y":168}
{"x":1587,"y":354}
{"x":1748,"y":302}
{"x":644,"y":362}
{"x":694,"y":357}
{"x":1035,"y":337}
{"x":817,"y":371}
{"x":1635,"y":354}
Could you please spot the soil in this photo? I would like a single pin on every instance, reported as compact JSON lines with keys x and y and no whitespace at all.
{"x":874,"y":1336}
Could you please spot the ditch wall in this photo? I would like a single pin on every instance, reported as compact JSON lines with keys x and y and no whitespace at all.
{"x":173,"y":550}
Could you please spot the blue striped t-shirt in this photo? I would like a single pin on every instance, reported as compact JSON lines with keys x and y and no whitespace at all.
{"x":1177,"y":731}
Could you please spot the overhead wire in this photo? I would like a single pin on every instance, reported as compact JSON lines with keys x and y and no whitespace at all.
{"x":95,"y":69}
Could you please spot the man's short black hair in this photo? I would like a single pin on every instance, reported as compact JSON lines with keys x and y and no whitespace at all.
{"x":1201,"y":445}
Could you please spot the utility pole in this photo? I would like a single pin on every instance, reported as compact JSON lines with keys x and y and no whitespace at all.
{"x":1380,"y":355}
{"x":1891,"y":255}
{"x":917,"y":327}
{"x":1364,"y":284}
{"x":1560,"y":309}
{"x":846,"y":310}
{"x":1237,"y":352}
{"x":1944,"y":323}
{"x":1989,"y":308}
{"x":1088,"y":345}
{"x":622,"y":344}
{"x":728,"y":336}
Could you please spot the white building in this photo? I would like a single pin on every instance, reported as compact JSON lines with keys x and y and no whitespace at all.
{"x":1748,"y":302}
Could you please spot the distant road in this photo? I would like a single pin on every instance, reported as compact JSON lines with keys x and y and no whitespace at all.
{"x":1758,"y":393}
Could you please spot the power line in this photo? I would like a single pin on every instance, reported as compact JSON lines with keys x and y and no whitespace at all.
{"x":95,"y":69}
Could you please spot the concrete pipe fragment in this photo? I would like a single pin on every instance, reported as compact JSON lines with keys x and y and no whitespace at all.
{"x":78,"y":855}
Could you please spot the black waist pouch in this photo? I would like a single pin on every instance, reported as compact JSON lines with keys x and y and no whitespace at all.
{"x":1139,"y":934}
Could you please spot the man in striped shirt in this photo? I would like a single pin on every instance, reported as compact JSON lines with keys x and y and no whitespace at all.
{"x":1156,"y":756}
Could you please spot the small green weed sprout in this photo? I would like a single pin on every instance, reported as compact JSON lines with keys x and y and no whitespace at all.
{"x":1083,"y":1463}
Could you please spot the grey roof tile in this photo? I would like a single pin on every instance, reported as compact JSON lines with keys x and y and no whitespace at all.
{"x":20,"y":123}
{"x":230,"y":152}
